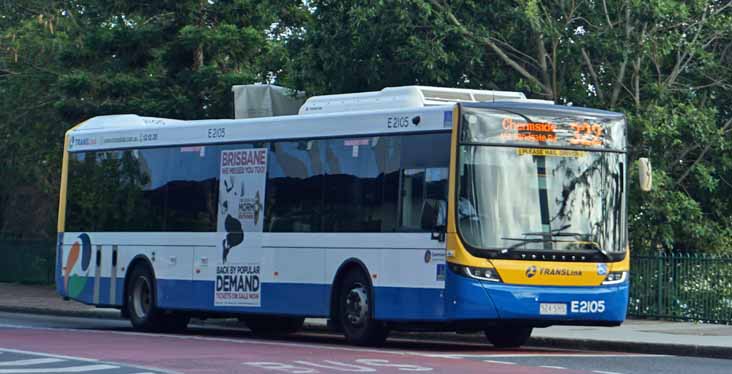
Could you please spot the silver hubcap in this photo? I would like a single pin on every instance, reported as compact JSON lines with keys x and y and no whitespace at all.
{"x":357,"y":305}
{"x":141,"y":297}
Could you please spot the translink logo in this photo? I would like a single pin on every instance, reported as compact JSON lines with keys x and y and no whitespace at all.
{"x":532,"y":270}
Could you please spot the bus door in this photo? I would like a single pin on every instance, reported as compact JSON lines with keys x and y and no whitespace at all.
{"x":423,"y":209}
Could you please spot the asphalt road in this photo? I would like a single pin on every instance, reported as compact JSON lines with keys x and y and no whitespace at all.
{"x":46,"y":344}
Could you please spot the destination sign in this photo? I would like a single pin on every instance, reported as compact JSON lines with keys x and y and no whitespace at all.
{"x":548,"y":129}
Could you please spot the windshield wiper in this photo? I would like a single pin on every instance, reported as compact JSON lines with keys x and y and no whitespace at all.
{"x":521,"y":241}
{"x":555,"y":232}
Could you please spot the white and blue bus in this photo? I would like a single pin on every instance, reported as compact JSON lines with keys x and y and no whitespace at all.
{"x":411,"y":207}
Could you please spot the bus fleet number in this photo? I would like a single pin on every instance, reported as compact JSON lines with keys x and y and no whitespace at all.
{"x":593,"y":306}
{"x":215,"y":133}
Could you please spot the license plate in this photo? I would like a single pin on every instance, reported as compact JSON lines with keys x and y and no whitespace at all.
{"x":553,"y":309}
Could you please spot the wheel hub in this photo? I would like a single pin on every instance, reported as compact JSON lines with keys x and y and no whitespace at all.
{"x":357,"y":306}
{"x":141,"y":297}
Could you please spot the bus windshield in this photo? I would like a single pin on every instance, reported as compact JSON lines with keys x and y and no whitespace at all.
{"x":516,"y":200}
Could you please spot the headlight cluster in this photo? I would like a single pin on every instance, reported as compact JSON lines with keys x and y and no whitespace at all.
{"x":616,"y":277}
{"x":486,"y":274}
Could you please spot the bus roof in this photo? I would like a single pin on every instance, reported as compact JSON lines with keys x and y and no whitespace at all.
{"x":391,"y":110}
{"x":132,"y":131}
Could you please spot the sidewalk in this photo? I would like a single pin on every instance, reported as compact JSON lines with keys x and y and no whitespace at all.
{"x":641,"y":336}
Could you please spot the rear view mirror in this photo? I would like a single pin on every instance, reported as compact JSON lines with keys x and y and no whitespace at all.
{"x":645,"y":174}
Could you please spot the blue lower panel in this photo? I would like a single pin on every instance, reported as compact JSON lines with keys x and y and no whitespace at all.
{"x":608,"y":303}
{"x":401,"y":303}
{"x":276,"y":298}
{"x":472,"y":299}
{"x":467,"y":299}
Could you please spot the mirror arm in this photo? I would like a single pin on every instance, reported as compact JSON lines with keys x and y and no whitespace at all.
{"x":438,"y":233}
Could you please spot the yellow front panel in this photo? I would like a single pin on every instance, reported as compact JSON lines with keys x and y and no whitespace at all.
{"x":549,"y":273}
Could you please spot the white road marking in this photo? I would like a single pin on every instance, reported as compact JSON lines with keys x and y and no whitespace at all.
{"x":338,"y":366}
{"x":555,"y":355}
{"x":70,"y":369}
{"x":32,"y":361}
{"x":553,"y":367}
{"x":250,"y":341}
{"x":254,"y":341}
{"x":605,"y":372}
{"x":48,"y":355}
{"x":500,"y":362}
{"x":89,"y":360}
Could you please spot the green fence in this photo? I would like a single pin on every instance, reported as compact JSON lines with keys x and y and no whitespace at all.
{"x":681,"y":287}
{"x":27,"y":261}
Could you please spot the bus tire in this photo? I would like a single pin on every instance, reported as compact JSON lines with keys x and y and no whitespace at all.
{"x":141,"y":304}
{"x":355,"y":311}
{"x":508,"y":336}
{"x":270,"y":325}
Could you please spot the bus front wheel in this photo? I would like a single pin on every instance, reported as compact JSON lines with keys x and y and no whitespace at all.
{"x":141,"y":305}
{"x":356,"y":311}
{"x":508,"y":336}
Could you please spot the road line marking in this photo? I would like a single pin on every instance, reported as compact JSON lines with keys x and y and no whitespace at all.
{"x":553,"y":367}
{"x":558,"y":355}
{"x":243,"y":340}
{"x":70,"y":369}
{"x":32,"y":361}
{"x":48,"y":355}
{"x":89,"y":360}
{"x":248,"y":340}
{"x":605,"y":372}
{"x":500,"y":362}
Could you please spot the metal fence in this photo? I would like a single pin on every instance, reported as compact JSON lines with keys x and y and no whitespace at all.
{"x":692,"y":287}
{"x":27,"y":261}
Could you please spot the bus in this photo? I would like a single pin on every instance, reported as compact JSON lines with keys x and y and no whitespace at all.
{"x":408,"y":208}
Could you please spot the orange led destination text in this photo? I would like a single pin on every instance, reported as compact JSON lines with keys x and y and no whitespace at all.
{"x":539,"y":132}
{"x":587,"y":134}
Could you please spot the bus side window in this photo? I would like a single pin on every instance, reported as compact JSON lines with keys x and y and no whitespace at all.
{"x":423,"y":181}
{"x":354,"y":186}
{"x":294,"y":201}
{"x":424,"y":198}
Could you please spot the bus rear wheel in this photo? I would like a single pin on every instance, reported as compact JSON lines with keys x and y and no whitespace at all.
{"x":269,"y":325}
{"x":141,"y":305}
{"x":508,"y":336}
{"x":356,"y":312}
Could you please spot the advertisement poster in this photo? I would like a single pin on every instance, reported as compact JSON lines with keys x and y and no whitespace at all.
{"x":241,"y":195}
{"x":238,"y":285}
{"x":243,"y":179}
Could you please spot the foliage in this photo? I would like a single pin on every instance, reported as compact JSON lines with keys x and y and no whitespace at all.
{"x":664,"y":63}
{"x":64,"y":61}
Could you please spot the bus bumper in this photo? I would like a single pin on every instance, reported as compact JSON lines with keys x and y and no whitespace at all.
{"x":474,"y":299}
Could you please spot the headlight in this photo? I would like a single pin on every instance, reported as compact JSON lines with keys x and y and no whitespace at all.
{"x":486,"y":274}
{"x":616,"y":277}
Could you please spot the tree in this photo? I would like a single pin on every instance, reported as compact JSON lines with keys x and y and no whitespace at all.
{"x":62,"y":62}
{"x":664,"y":63}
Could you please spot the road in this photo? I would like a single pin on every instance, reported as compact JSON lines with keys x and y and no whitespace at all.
{"x":47,"y":344}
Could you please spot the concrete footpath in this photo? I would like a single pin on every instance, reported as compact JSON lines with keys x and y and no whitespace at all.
{"x":642,"y":336}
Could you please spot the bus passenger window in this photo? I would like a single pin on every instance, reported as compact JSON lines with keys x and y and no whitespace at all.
{"x":294,"y":187}
{"x":424,"y":198}
{"x":424,"y":161}
{"x":354,"y":186}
